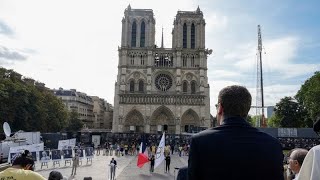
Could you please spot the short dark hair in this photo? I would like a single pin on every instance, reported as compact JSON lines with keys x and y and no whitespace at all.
{"x":235,"y":100}
{"x":23,"y":160}
{"x":55,"y":175}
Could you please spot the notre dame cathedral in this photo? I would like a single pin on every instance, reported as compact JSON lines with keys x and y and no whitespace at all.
{"x":157,"y":88}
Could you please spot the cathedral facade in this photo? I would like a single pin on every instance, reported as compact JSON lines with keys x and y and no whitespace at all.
{"x":157,"y":88}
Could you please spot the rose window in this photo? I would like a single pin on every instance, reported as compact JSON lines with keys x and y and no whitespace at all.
{"x":163,"y":82}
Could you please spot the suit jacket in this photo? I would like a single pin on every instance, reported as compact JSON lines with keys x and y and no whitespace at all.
{"x":182,"y":173}
{"x":114,"y":162}
{"x":235,"y":150}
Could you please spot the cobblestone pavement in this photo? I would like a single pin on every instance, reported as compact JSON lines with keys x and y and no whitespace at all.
{"x":127,"y":169}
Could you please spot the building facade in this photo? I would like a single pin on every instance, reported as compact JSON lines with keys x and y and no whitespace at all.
{"x":157,"y":88}
{"x":79,"y":102}
{"x":103,"y":113}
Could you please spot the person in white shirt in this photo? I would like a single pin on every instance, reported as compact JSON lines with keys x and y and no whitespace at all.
{"x":295,"y":160}
{"x":310,"y":168}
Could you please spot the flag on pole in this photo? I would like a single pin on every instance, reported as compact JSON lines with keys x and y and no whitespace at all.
{"x":143,"y":154}
{"x":160,"y":151}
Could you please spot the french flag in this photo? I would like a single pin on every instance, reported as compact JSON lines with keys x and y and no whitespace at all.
{"x":143,"y":154}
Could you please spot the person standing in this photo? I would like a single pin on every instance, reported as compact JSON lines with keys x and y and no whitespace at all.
{"x":250,"y":153}
{"x":98,"y":150}
{"x":172,"y":148}
{"x":168,"y":160}
{"x":180,"y":150}
{"x":113,"y":166}
{"x":152,"y":159}
{"x":75,"y":164}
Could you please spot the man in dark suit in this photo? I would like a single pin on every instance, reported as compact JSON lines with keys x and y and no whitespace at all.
{"x":235,"y":149}
{"x":182,"y":173}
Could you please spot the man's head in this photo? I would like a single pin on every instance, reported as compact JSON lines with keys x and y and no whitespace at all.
{"x":23,"y":162}
{"x":55,"y":175}
{"x":296,"y":158}
{"x":233,"y":101}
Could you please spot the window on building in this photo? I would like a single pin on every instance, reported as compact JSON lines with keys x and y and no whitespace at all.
{"x":185,"y":86}
{"x":132,"y":59}
{"x":142,"y":60}
{"x":193,"y":87}
{"x":193,"y":36}
{"x":134,"y":34}
{"x":141,"y":86}
{"x":142,"y":34}
{"x":192,"y":61}
{"x":132,"y":86}
{"x":163,"y":60}
{"x":184,"y":61}
{"x":184,"y":35}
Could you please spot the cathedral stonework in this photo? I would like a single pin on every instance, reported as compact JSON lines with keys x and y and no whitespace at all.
{"x":157,"y":88}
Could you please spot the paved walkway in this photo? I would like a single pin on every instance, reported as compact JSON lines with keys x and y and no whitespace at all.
{"x":134,"y":173}
{"x":98,"y":170}
{"x":127,"y":169}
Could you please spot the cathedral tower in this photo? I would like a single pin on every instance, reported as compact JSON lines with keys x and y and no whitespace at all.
{"x":162,"y":89}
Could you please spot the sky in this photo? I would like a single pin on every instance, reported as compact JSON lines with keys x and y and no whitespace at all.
{"x":73,"y":43}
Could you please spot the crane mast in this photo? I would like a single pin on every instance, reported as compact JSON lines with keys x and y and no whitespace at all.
{"x":260,"y":99}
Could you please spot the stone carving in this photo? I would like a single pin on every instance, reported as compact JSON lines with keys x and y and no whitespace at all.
{"x":177,"y":120}
{"x":147,"y":119}
{"x":136,"y":75}
{"x":162,"y":99}
{"x":189,"y":77}
{"x":120,"y":119}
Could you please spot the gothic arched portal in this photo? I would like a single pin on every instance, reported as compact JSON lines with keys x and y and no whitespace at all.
{"x":134,"y":119}
{"x":164,"y":118}
{"x":189,"y":120}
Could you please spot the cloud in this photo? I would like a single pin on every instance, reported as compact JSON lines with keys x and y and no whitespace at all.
{"x":280,"y":69}
{"x":215,"y":21}
{"x":5,"y":29}
{"x":7,"y":54}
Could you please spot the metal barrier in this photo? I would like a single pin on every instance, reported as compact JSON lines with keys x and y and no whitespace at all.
{"x":4,"y":166}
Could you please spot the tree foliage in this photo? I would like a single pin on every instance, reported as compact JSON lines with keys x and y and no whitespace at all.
{"x":301,"y":110}
{"x":290,"y":113}
{"x":75,"y":124}
{"x":26,"y":106}
{"x":309,"y":95}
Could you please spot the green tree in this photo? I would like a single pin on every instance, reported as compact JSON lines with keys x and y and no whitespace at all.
{"x":289,"y":113}
{"x":28,"y":107}
{"x":309,"y":95}
{"x":274,"y":121}
{"x":75,"y":124}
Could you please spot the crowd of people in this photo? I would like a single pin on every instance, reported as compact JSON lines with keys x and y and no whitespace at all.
{"x":123,"y":144}
{"x":289,"y":143}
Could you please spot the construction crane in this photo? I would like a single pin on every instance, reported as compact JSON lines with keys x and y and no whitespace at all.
{"x":260,"y":100}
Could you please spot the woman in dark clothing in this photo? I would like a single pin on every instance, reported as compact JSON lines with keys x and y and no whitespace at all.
{"x":151,"y":163}
{"x":168,"y":163}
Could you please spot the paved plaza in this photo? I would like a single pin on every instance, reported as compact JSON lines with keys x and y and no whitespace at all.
{"x":127,"y":169}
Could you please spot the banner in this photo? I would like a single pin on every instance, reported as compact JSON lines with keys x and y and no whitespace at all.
{"x":56,"y":155}
{"x":44,"y":156}
{"x":67,"y":154}
{"x":67,"y":144}
{"x":160,"y":152}
{"x":33,"y":148}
